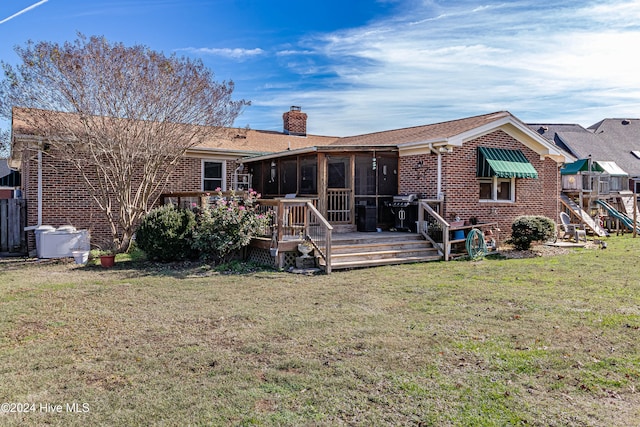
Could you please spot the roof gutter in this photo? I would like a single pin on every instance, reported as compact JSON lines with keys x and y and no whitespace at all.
{"x":270,"y":156}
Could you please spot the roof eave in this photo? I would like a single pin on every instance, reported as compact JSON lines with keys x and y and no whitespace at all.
{"x":194,"y":151}
{"x":18,"y":143}
{"x":269,"y":156}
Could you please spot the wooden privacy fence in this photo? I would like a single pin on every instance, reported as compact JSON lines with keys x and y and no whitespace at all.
{"x":13,"y":220}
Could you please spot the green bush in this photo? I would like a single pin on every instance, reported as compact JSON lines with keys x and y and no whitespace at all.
{"x":528,"y":229}
{"x":227,"y":226}
{"x":165,"y":234}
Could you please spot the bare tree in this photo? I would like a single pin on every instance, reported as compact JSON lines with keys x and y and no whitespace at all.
{"x":4,"y":143}
{"x":133,"y":113}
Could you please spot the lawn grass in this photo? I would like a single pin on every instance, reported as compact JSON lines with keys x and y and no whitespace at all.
{"x":548,"y":341}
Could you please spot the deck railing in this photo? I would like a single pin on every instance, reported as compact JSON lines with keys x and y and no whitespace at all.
{"x":434,"y":228}
{"x":595,"y":182}
{"x":339,"y":209}
{"x":292,"y":220}
{"x":319,"y":231}
{"x":299,"y":219}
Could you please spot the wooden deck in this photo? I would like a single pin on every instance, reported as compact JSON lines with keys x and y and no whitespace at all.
{"x":361,"y":249}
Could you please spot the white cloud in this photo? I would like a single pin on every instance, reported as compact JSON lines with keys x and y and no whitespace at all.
{"x":235,"y":53}
{"x":290,"y":52}
{"x":539,"y":61}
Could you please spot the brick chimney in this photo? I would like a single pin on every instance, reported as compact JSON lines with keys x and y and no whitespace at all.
{"x":295,"y":122}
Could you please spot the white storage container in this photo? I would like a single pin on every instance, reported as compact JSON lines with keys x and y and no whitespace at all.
{"x":39,"y":231}
{"x":61,"y":243}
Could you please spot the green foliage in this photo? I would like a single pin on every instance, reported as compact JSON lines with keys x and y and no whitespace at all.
{"x":531,"y":228}
{"x":227,"y":226}
{"x":165,"y":233}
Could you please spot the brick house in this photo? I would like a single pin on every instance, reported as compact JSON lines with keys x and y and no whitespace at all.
{"x":490,"y":167}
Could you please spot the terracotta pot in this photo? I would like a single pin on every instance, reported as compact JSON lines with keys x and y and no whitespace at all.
{"x":107,"y":260}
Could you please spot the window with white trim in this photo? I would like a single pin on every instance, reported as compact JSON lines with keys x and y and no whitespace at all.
{"x":496,"y":189}
{"x":213,"y":174}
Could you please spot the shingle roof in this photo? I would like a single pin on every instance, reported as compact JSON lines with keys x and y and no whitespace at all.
{"x":254,"y":142}
{"x":621,"y":136}
{"x":422,"y":133}
{"x":264,"y":141}
{"x":234,"y":139}
{"x":607,"y":140}
{"x":552,"y":132}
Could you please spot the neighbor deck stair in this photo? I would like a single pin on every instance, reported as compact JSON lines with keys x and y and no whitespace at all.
{"x":356,"y":250}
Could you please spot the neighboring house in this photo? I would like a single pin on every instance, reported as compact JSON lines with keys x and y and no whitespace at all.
{"x":610,"y":140}
{"x":12,"y":211}
{"x":489,"y":168}
{"x":9,"y":181}
{"x":607,"y":172}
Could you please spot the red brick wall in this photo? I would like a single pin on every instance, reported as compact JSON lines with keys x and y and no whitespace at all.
{"x":66,"y":201}
{"x":460,"y":186}
{"x":187,"y":176}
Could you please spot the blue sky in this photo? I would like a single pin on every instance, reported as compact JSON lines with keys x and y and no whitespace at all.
{"x":360,"y":66}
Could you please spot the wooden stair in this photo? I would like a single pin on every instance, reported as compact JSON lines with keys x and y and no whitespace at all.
{"x":357,"y":250}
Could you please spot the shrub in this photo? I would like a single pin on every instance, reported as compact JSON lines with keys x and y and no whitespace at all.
{"x":165,"y":233}
{"x":528,"y":229}
{"x":227,"y":226}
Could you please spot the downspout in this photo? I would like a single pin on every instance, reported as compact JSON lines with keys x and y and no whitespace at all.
{"x":439,"y":182}
{"x":39,"y":187}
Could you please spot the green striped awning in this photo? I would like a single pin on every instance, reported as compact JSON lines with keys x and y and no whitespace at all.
{"x":581,"y":165}
{"x":504,"y":163}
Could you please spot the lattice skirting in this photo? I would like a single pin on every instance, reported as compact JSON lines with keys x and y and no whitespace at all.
{"x":263,"y":256}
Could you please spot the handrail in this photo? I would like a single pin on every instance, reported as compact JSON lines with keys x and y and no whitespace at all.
{"x":298,"y":219}
{"x":326,"y":229}
{"x":442,"y":247}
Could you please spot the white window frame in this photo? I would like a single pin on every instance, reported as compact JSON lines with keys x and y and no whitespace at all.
{"x":224,"y":173}
{"x":494,"y":189}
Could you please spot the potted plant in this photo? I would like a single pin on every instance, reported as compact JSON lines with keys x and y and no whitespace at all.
{"x":108,"y":260}
{"x":107,"y":257}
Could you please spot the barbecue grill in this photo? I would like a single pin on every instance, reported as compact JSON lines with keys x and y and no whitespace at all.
{"x":404,"y":208}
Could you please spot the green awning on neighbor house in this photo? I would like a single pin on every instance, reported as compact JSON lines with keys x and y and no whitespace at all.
{"x":582,"y":165}
{"x":578,"y":166}
{"x":504,"y":163}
